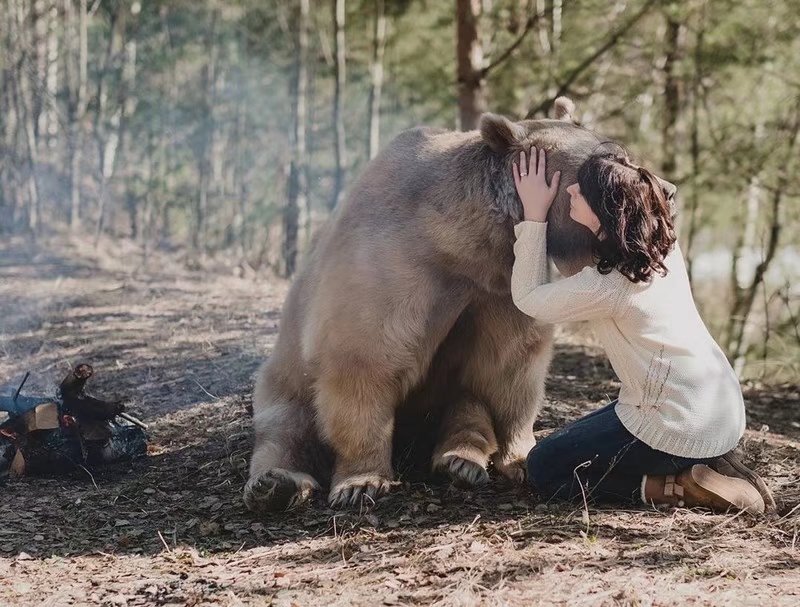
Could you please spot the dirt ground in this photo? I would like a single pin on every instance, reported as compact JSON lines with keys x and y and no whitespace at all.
{"x":183,"y":345}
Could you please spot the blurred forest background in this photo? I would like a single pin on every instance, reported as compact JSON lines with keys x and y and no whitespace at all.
{"x":230,"y":128}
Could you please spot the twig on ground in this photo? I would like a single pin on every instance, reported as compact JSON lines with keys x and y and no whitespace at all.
{"x":163,"y":541}
{"x":204,"y":390}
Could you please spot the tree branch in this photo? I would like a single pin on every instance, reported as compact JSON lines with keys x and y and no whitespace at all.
{"x":576,"y":72}
{"x":532,"y":20}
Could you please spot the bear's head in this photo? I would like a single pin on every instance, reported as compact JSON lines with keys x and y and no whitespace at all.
{"x":568,"y":146}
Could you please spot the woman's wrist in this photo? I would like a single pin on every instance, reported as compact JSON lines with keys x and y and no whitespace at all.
{"x":537,"y":217}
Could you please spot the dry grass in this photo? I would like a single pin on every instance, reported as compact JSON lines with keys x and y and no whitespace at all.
{"x":183,"y":345}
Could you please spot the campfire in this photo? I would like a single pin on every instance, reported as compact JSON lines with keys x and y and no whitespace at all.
{"x":44,"y":435}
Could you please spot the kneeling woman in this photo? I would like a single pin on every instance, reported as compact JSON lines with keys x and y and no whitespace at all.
{"x":680,"y":413}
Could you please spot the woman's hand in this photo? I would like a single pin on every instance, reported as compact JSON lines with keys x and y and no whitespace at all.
{"x":531,"y":182}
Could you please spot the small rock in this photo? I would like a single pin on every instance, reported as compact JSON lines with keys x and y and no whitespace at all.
{"x":372,"y":520}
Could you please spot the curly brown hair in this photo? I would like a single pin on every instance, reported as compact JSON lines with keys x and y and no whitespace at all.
{"x":637,"y":230}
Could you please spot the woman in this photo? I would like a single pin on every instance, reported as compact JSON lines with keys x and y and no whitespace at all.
{"x":680,"y":406}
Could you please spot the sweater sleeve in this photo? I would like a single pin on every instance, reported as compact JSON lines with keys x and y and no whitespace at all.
{"x":585,"y":296}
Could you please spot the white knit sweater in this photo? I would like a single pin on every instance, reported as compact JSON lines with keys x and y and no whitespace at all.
{"x":679,"y":393}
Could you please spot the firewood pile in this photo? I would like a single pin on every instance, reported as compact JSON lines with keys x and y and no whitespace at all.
{"x":43,"y":435}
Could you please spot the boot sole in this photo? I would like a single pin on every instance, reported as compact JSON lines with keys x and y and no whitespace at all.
{"x":736,"y":491}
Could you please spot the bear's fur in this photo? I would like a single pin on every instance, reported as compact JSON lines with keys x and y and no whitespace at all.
{"x":399,"y":334}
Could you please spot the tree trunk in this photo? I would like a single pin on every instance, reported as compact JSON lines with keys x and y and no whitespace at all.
{"x":296,"y":188}
{"x":207,"y":130}
{"x":469,"y":62}
{"x":376,"y":79}
{"x":76,"y":75}
{"x":240,"y":171}
{"x":24,"y":105}
{"x":557,"y":24}
{"x":49,"y":127}
{"x":544,"y":34}
{"x":671,"y":98}
{"x":128,"y":100}
{"x":106,"y":122}
{"x":692,"y":213}
{"x":37,"y":68}
{"x":8,"y":129}
{"x":339,"y":13}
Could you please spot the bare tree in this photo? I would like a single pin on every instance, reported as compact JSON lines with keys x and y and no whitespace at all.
{"x":76,"y":74}
{"x":692,"y":213}
{"x":376,"y":79}
{"x":108,"y":116}
{"x":8,"y":129}
{"x":207,"y":132}
{"x":296,"y":188}
{"x":744,"y":297}
{"x":565,"y":83}
{"x":672,"y":99}
{"x":23,"y":98}
{"x":48,"y":128}
{"x":469,"y":64}
{"x":338,"y":102}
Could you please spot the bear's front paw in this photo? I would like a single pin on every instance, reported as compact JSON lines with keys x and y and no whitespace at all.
{"x":463,"y":473}
{"x":278,"y":489}
{"x":358,"y":491}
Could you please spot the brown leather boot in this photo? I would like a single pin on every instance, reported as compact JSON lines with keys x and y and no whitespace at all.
{"x":702,"y":486}
{"x":731,"y":464}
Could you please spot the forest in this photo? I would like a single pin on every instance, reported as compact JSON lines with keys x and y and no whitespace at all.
{"x":233,"y":128}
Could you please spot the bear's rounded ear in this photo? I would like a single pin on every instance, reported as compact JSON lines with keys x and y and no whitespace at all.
{"x":500,"y":133}
{"x":564,"y":109}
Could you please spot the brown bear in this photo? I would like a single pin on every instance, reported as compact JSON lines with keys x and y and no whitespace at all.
{"x":399,"y":335}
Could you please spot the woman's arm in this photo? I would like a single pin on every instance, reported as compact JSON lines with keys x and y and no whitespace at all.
{"x":585,"y":296}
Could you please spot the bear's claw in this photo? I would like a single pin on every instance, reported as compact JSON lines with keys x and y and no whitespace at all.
{"x":359,"y":491}
{"x":463,"y":472}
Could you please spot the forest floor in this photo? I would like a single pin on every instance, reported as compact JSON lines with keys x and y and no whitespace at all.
{"x":182,"y":346}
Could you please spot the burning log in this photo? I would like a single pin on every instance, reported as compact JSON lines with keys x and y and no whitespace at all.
{"x":76,"y":402}
{"x":45,"y":435}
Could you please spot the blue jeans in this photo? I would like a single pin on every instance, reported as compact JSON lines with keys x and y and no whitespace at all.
{"x":597,"y":458}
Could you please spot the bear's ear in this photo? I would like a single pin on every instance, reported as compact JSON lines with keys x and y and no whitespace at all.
{"x":500,"y":133}
{"x":564,"y":109}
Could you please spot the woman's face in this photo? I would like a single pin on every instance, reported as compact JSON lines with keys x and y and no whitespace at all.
{"x":580,"y":211}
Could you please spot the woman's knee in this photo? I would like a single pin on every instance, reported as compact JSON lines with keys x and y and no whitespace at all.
{"x":542,"y":464}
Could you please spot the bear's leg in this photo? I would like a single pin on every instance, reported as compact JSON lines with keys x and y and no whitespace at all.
{"x":355,"y":413}
{"x":505,"y":363}
{"x":286,"y":455}
{"x":466,"y":444}
{"x":516,"y":410}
